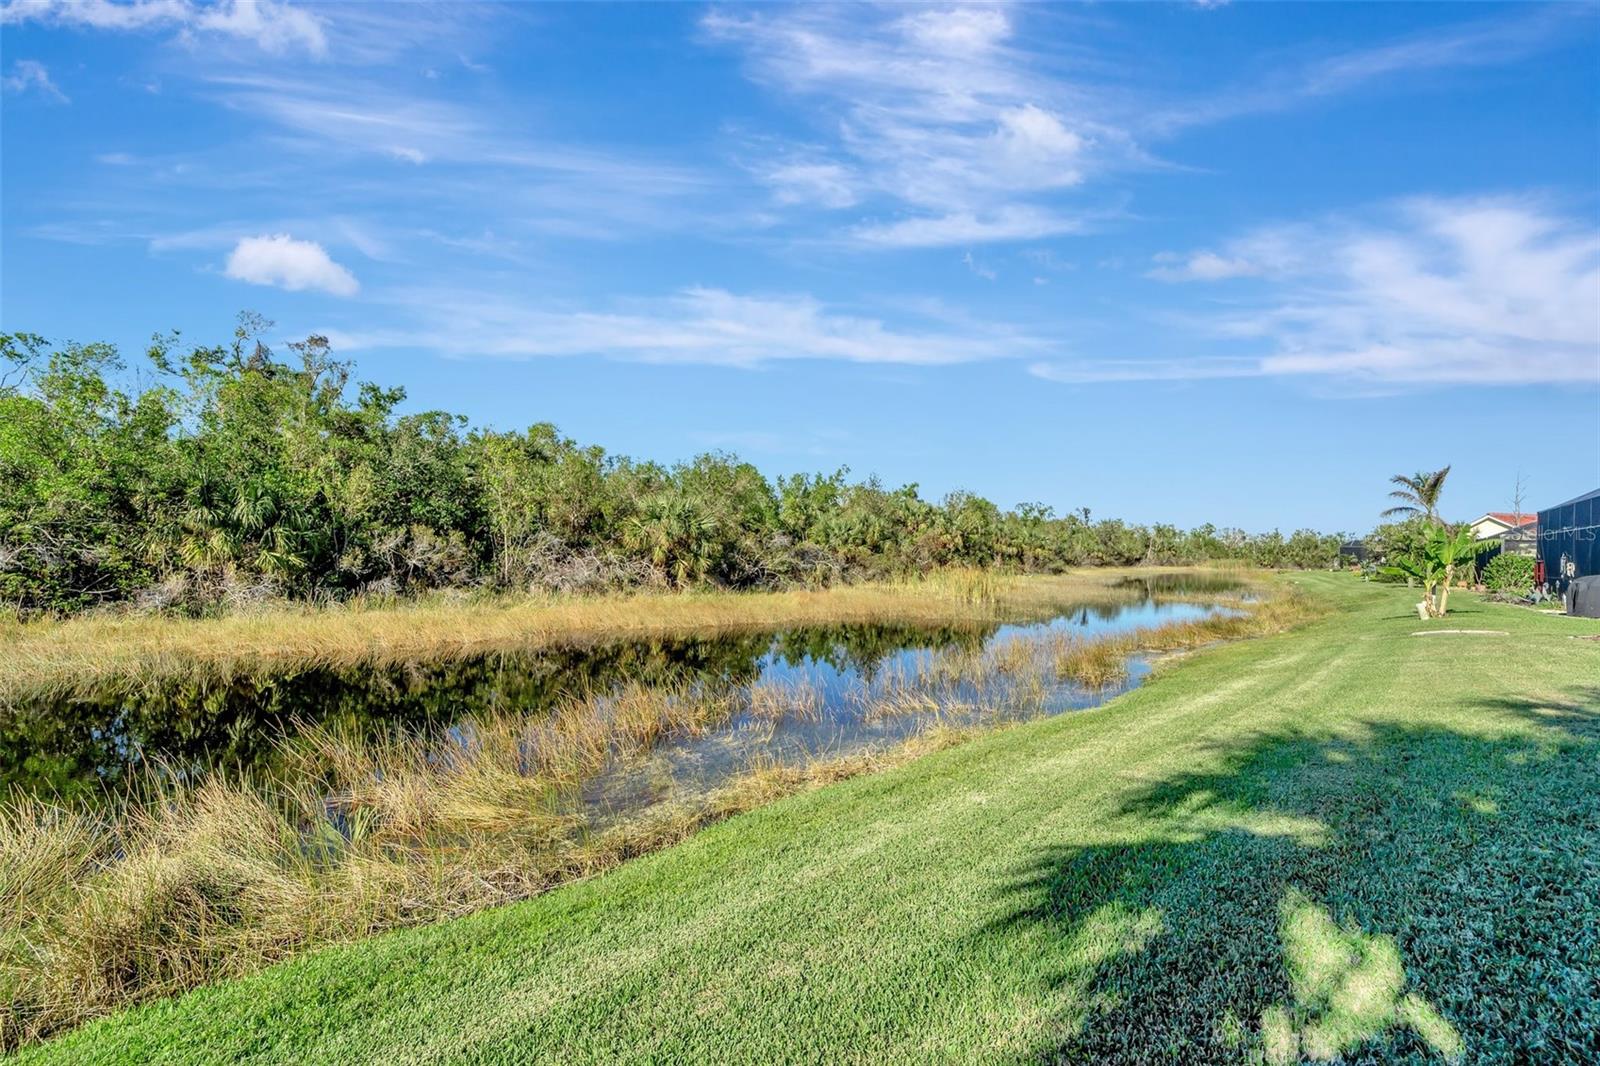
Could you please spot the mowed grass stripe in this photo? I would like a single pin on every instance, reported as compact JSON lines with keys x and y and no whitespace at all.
{"x":1339,"y":841}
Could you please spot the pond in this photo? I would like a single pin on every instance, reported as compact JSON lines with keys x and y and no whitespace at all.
{"x":838,"y":676}
{"x":822,"y":706}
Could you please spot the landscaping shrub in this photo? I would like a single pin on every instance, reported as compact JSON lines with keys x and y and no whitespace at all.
{"x":1509,"y":575}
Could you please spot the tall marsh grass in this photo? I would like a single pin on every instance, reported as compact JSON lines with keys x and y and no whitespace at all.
{"x":89,"y":653}
{"x":1094,"y":664}
{"x":211,"y":878}
{"x":970,"y":587}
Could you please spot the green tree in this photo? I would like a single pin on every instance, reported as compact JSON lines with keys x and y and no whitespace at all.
{"x":1443,"y":555}
{"x":231,"y":473}
{"x":1420,"y":494}
{"x":87,"y":477}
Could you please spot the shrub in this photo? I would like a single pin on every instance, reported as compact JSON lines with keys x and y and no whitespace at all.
{"x":231,"y":478}
{"x":1509,"y":574}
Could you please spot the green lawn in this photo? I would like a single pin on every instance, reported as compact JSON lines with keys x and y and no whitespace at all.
{"x":1341,"y":841}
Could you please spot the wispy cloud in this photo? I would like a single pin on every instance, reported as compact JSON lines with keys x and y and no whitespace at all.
{"x":1100,"y":371}
{"x":811,"y":181}
{"x":356,"y":115}
{"x":1002,"y":223}
{"x":273,"y":25}
{"x":977,"y":267}
{"x":29,"y":75}
{"x":282,"y":261}
{"x":414,"y":169}
{"x":952,"y":126}
{"x":935,"y":115}
{"x":697,"y":325}
{"x":1433,"y":292}
{"x":1499,"y":40}
{"x":450,"y":153}
{"x":1199,"y":266}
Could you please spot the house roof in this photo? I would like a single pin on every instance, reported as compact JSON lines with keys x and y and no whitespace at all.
{"x":1508,"y":518}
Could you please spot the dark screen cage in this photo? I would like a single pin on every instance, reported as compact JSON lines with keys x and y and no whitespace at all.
{"x":1355,"y":551}
{"x":1569,"y":540}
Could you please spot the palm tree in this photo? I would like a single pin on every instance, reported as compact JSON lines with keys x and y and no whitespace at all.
{"x":1442,"y":556}
{"x":1420,"y":492}
{"x":676,"y":537}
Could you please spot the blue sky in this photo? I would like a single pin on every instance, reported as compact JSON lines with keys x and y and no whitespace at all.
{"x":1233,"y":263}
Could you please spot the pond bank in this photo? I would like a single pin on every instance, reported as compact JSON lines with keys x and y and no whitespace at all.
{"x":88,"y":653}
{"x":1336,"y":842}
{"x":83,"y":745}
{"x":351,"y":835}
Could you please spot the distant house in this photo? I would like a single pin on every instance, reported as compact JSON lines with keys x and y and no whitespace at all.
{"x":1518,"y":534}
{"x":1499,"y":523}
{"x":1569,"y":540}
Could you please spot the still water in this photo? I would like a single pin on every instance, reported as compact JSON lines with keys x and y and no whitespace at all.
{"x":78,"y":748}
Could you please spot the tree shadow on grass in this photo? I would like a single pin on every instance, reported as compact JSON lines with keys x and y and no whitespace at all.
{"x":1390,"y":893}
{"x":1463,"y":607}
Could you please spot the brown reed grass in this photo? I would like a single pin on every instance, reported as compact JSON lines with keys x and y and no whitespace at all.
{"x":214,"y":878}
{"x":88,"y":653}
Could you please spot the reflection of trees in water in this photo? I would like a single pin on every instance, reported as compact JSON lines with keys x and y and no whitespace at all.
{"x":1098,"y":613}
{"x":861,"y":648}
{"x":1183,"y":584}
{"x":72,"y":748}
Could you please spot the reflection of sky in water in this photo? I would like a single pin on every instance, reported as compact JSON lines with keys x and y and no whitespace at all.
{"x":1086,"y":622}
{"x":842,"y":724}
{"x":79,"y":745}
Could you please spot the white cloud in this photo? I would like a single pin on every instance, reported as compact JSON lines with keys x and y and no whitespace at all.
{"x":1012,"y":223}
{"x":287,"y":263}
{"x":981,"y":270}
{"x":698,"y":325}
{"x":1481,"y":43}
{"x":953,"y":125}
{"x":1487,"y":42}
{"x":360,"y":115}
{"x":961,"y":31}
{"x":275,"y":26}
{"x":935,"y":112}
{"x":28,"y":74}
{"x":1276,"y":252}
{"x":1096,"y":371}
{"x":826,"y":184}
{"x":1202,"y":266}
{"x":1488,"y":290}
{"x":1431,"y":292}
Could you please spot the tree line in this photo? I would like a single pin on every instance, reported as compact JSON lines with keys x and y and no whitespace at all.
{"x":224,"y":475}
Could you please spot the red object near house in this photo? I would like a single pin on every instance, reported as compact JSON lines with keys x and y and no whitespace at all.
{"x":1538,"y":571}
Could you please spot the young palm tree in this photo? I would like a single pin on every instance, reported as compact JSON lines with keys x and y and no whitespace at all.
{"x":1420,"y":492}
{"x":1443,"y":555}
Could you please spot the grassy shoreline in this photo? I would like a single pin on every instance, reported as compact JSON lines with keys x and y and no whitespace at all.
{"x":81,"y":654}
{"x":1340,"y":841}
{"x":359,"y":835}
